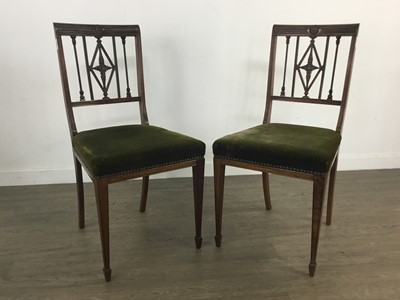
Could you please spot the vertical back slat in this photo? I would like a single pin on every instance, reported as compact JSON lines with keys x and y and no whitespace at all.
{"x":284,"y":71}
{"x":128,"y":89}
{"x":81,"y":93}
{"x":324,"y":67}
{"x":295,"y":65}
{"x":330,"y":95}
{"x":85,"y":52}
{"x":116,"y":68}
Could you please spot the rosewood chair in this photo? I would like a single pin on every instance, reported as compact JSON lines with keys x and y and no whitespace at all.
{"x":97,"y":64}
{"x":318,"y":62}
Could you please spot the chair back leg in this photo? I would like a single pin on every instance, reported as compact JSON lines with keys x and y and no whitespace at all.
{"x":319,"y":185}
{"x":198,"y":188}
{"x":331,"y":192}
{"x":267,"y":195}
{"x":80,"y":193}
{"x":145,"y":190}
{"x":101,"y":191}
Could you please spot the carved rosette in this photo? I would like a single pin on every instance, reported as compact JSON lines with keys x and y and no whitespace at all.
{"x":313,"y":31}
{"x":98,"y":31}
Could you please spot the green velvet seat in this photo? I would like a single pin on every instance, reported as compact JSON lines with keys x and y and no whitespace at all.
{"x":292,"y":147}
{"x":131,"y":148}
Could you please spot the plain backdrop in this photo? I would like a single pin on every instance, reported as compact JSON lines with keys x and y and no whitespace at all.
{"x":205,"y":75}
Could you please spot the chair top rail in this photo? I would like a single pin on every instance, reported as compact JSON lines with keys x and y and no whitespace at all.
{"x":316,"y":30}
{"x":96,"y":30}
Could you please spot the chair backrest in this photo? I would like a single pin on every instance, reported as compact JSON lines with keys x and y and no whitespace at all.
{"x":315,"y":65}
{"x":97,"y":64}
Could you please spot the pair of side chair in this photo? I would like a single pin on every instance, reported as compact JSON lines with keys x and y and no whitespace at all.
{"x":97,"y":64}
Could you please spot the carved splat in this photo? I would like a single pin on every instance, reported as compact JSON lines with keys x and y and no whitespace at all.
{"x":102,"y":67}
{"x":311,"y":64}
{"x":97,"y":70}
{"x":308,"y":68}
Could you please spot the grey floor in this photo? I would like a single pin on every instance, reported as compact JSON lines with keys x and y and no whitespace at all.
{"x":264,"y":254}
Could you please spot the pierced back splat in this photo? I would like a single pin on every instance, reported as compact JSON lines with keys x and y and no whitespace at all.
{"x":96,"y":54}
{"x":314,"y":74}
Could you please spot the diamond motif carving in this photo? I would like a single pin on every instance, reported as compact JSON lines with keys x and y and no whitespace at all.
{"x":104,"y":65}
{"x":308,"y":68}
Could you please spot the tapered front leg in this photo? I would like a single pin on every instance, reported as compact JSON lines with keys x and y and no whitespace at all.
{"x":145,"y":190}
{"x":101,"y":189}
{"x":317,"y":208}
{"x":267,"y":195}
{"x":219,"y":179}
{"x":198,"y":187}
{"x":80,"y":193}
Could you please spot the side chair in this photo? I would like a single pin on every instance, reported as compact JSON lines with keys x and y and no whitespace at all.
{"x":102,"y":64}
{"x":310,"y":65}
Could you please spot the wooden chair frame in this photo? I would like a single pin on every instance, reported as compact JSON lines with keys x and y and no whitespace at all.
{"x":319,"y":180}
{"x":75,"y":31}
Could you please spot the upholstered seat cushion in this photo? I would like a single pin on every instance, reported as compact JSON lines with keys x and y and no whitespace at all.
{"x":293,"y":147}
{"x":123,"y":149}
